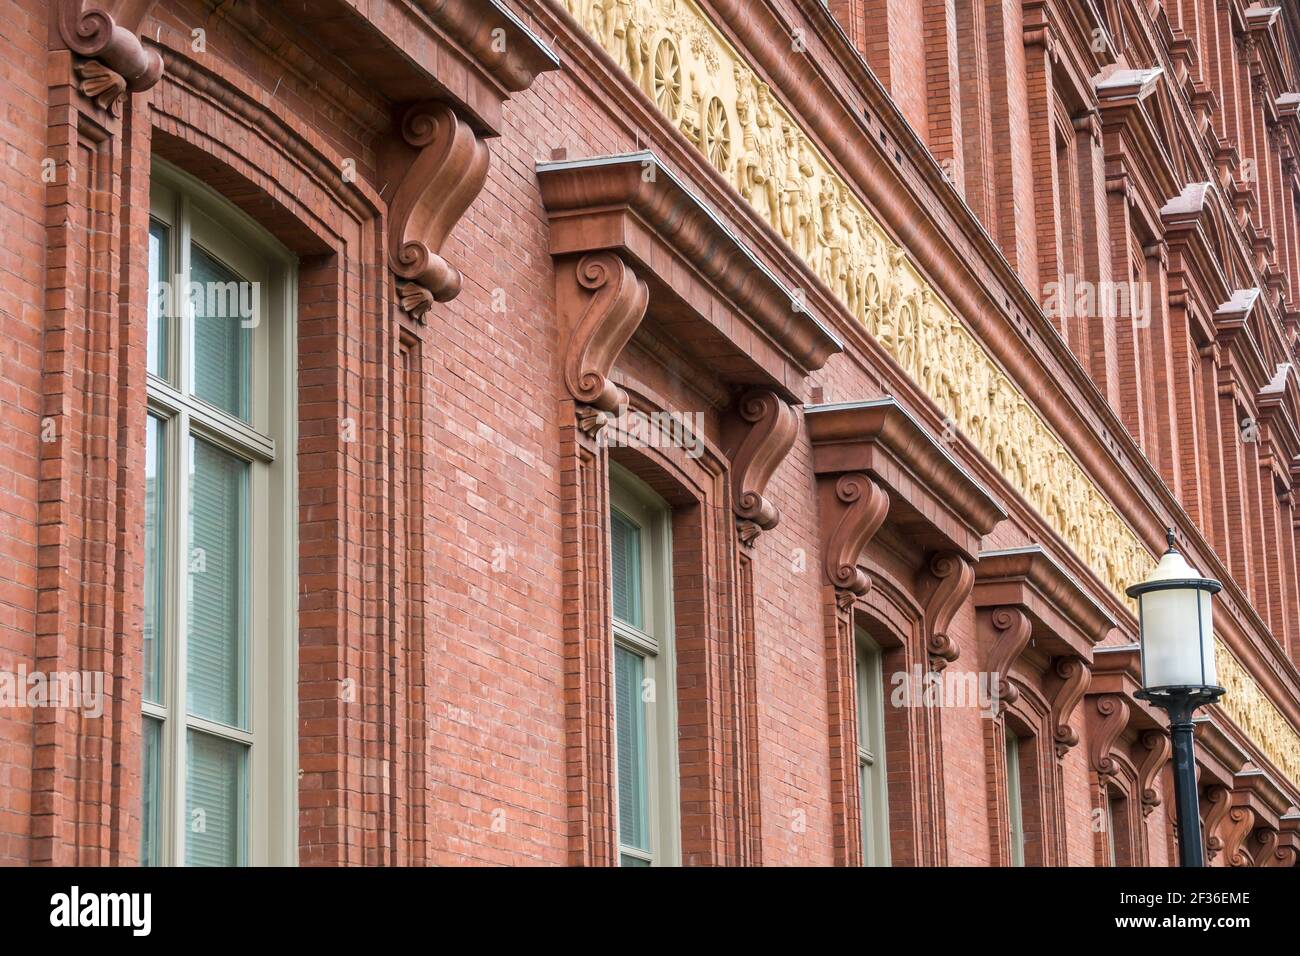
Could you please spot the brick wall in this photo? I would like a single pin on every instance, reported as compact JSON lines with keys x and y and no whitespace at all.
{"x":430,"y":550}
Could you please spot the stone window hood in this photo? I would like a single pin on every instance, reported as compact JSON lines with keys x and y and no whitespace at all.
{"x":1035,"y":608}
{"x":1066,"y":620}
{"x":1112,"y":710}
{"x":1248,"y":819}
{"x":932,"y":499}
{"x":708,"y":292}
{"x":875,"y":463}
{"x":478,"y":53}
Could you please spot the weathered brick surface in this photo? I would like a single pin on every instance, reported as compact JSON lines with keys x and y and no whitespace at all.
{"x":432,"y":549}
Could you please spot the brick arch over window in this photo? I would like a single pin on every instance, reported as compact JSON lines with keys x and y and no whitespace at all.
{"x":715,"y":800}
{"x":360,"y":440}
{"x":1028,"y":717}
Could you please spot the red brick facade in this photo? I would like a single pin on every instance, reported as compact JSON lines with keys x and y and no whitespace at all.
{"x":503,"y":244}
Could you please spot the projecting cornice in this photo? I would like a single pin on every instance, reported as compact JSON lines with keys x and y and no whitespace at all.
{"x":721,"y":302}
{"x":1235,"y":332}
{"x":1067,"y":618}
{"x":472,"y":54}
{"x":1278,"y":404}
{"x":932,"y":496}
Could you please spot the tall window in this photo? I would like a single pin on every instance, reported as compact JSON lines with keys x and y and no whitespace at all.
{"x":871,"y":754}
{"x":1015,"y":803}
{"x":645,"y":711}
{"x":218,"y":773}
{"x":1111,"y":816}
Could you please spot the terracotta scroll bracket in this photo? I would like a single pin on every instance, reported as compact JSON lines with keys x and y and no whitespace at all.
{"x":112,"y":59}
{"x":436,"y":188}
{"x":602,"y":301}
{"x":763,"y":428}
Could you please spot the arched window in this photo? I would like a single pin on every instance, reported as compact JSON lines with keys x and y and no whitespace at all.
{"x":645,"y":710}
{"x":219,"y":769}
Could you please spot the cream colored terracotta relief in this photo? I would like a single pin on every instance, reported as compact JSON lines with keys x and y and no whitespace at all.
{"x":671,"y":50}
{"x":1257,"y":716}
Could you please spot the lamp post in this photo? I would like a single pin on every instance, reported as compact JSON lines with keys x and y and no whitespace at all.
{"x":1176,"y":625}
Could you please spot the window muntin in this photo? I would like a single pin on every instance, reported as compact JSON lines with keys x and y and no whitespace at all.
{"x":872,"y":780}
{"x":645,"y":719}
{"x":159,"y":271}
{"x":219,"y":771}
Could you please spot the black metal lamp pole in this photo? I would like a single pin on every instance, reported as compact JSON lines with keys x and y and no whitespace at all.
{"x":1181,"y":703}
{"x":1175,"y":620}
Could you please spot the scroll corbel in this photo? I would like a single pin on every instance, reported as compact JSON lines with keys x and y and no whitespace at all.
{"x":114,"y":60}
{"x":1156,"y":743}
{"x":1272,"y":852}
{"x":862,"y":505}
{"x":1014,"y":629}
{"x":1113,"y":711}
{"x":955,"y":579}
{"x":1075,"y":677}
{"x":436,"y":189}
{"x":1219,"y":799}
{"x":767,"y":439}
{"x":612,"y":301}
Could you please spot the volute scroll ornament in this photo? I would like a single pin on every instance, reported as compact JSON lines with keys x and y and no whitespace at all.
{"x":1014,"y":629}
{"x":1271,"y":851}
{"x":115,"y":60}
{"x":1114,"y":710}
{"x":956,"y":579}
{"x":1219,"y":799}
{"x":866,"y":504}
{"x":1075,"y":675}
{"x":608,"y":320}
{"x":436,"y":189}
{"x":1157,"y":745}
{"x":772,"y":427}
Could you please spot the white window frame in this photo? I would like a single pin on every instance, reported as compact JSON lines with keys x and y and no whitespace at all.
{"x":636,"y":502}
{"x":873,"y":780}
{"x":1015,"y":805}
{"x":268,"y":442}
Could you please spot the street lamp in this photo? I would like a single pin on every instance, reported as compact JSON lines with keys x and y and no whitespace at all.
{"x":1176,"y":624}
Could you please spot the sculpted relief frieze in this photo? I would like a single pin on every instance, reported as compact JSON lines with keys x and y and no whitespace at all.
{"x":672,"y":51}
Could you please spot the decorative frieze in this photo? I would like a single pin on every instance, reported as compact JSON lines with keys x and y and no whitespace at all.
{"x":705,"y":88}
{"x":701,"y":83}
{"x":1258,"y":717}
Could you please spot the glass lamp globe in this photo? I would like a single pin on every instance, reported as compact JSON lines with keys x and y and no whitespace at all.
{"x":1175,"y":617}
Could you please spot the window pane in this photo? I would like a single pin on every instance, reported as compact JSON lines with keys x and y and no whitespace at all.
{"x":154,"y":549}
{"x":221,"y":346}
{"x":150,"y":845}
{"x":868,"y":811}
{"x":865,"y":738}
{"x":1016,"y":823}
{"x":629,"y":711}
{"x":159,"y":298}
{"x":626,"y":547}
{"x":218,"y":577}
{"x":214,"y":785}
{"x":625,"y":860}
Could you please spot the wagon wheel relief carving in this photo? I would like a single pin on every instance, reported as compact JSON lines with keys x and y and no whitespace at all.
{"x":668,"y":80}
{"x":717,"y":135}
